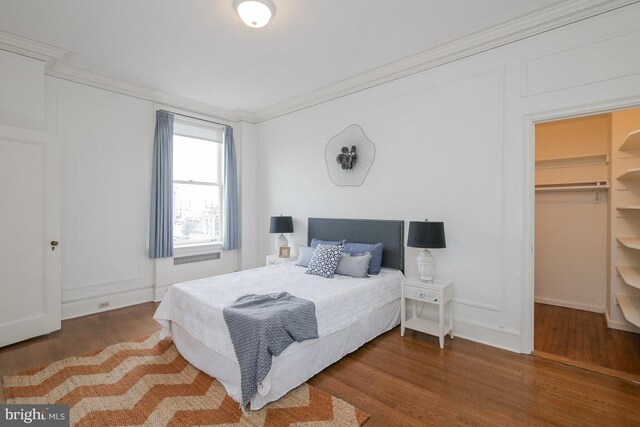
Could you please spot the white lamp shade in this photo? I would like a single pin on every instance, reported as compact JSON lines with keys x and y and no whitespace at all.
{"x":255,"y":13}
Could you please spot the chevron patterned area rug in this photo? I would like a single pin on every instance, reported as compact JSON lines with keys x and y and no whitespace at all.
{"x":147,"y":382}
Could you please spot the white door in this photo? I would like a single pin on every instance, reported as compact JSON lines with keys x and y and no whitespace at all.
{"x":29,"y":223}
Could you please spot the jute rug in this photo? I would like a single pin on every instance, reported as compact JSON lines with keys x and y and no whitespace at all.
{"x":147,"y":382}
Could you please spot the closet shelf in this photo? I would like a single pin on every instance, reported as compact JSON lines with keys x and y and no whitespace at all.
{"x":630,"y":307}
{"x":573,"y":161}
{"x":629,"y":242}
{"x":629,"y":208}
{"x":632,"y":142}
{"x":630,"y":174}
{"x":630,"y":275}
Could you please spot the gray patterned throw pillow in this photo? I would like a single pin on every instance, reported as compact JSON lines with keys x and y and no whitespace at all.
{"x":324,"y":260}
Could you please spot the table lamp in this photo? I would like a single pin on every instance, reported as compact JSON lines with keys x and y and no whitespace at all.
{"x":426,"y":235}
{"x":281,"y":224}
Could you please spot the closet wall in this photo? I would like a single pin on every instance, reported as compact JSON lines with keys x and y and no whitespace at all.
{"x":572,"y":225}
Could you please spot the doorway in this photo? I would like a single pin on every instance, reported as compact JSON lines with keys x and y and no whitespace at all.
{"x":587,"y":242}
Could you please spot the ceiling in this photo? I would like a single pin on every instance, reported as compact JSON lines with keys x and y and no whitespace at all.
{"x":200,"y":49}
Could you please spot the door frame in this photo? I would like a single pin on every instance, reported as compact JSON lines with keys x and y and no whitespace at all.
{"x":529,"y":170}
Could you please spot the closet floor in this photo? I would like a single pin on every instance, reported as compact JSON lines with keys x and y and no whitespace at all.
{"x":584,"y":337}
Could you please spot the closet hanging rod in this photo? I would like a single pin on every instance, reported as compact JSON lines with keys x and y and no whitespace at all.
{"x":574,"y":186}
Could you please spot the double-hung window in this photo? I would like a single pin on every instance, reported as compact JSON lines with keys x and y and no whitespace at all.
{"x":197,"y":183}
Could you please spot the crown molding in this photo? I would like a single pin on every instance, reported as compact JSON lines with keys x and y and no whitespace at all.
{"x":499,"y":35}
{"x":101,"y":81}
{"x":57,"y":62}
{"x":33,"y":49}
{"x":57,"y":65}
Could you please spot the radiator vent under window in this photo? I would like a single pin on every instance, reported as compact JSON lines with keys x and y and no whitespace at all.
{"x":196,"y":258}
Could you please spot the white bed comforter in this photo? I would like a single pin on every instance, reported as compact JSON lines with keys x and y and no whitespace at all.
{"x":197,"y":305}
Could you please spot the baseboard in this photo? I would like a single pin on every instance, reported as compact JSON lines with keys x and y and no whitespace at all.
{"x":620,"y":325}
{"x":569,"y":304}
{"x":85,"y":306}
{"x":495,"y":336}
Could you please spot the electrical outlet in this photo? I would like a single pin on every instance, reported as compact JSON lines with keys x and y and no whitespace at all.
{"x":102,"y":305}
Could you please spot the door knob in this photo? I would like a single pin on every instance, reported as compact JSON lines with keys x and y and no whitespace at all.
{"x":54,"y":244}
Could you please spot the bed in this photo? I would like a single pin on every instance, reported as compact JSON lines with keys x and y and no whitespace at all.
{"x":350,"y":311}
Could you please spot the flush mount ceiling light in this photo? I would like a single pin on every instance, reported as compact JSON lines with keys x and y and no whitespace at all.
{"x":255,"y":13}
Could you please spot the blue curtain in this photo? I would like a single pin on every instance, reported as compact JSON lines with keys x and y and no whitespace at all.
{"x":231,"y":217}
{"x":161,"y":223}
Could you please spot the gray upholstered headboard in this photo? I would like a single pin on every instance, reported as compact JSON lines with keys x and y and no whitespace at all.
{"x":389,"y":232}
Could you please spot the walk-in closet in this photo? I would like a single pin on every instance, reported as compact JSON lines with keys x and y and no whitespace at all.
{"x":587,"y":242}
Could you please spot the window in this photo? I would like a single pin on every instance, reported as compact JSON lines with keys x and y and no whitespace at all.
{"x":197,"y":183}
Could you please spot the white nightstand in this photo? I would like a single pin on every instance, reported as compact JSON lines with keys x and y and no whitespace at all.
{"x":275,"y":259}
{"x":438,"y":293}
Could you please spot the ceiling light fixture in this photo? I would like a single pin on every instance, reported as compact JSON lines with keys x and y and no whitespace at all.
{"x":255,"y":13}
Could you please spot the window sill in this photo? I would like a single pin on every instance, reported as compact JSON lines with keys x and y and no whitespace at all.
{"x":197,"y":249}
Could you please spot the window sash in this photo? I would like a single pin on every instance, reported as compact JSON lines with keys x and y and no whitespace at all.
{"x":220,"y":203}
{"x":220,"y":156}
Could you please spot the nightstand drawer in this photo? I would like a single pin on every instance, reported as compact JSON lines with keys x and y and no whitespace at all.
{"x":420,"y":294}
{"x":275,"y":260}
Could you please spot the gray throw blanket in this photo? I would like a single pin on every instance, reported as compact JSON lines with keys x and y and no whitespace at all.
{"x":262,"y":326}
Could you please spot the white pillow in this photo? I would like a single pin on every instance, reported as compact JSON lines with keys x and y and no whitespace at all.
{"x":304,"y":256}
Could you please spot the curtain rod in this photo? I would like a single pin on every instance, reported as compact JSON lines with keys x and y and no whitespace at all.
{"x":195,"y":118}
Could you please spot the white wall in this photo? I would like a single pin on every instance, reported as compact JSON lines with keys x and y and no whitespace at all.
{"x":249,"y":153}
{"x":455,"y":143}
{"x":106,"y":142}
{"x":571,"y":254}
{"x":22,"y":92}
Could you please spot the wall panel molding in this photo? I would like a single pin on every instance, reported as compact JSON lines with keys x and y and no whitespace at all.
{"x":547,"y":65}
{"x":106,"y":283}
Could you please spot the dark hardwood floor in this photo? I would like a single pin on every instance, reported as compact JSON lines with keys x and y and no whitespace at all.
{"x":402,"y":381}
{"x":583,"y":336}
